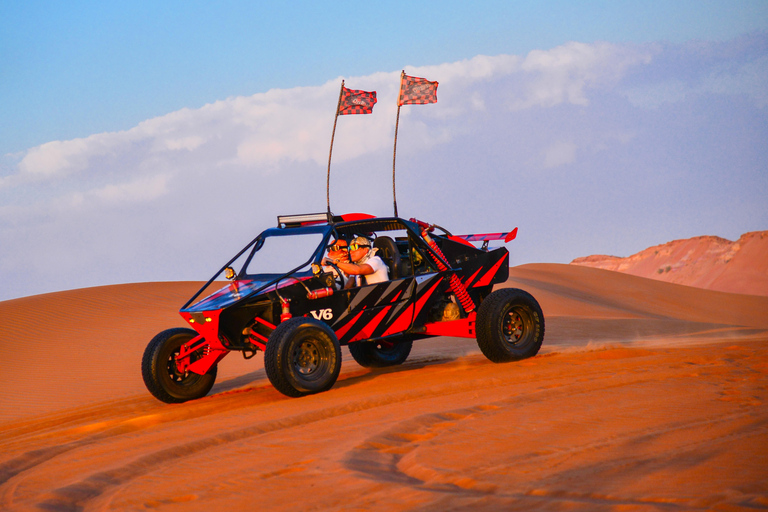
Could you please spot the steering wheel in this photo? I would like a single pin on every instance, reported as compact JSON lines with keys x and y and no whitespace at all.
{"x":338,"y":279}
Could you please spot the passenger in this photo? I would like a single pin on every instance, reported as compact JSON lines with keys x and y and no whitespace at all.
{"x":364,"y":264}
{"x":338,"y":252}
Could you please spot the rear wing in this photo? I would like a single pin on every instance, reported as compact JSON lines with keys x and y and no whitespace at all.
{"x":507,"y":237}
{"x":486,"y":237}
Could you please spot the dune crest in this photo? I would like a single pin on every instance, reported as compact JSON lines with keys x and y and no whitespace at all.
{"x":708,"y":262}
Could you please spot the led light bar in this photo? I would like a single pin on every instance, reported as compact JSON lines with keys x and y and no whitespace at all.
{"x":303,"y":219}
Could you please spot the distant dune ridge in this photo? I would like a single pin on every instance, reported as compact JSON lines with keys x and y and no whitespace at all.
{"x":708,"y":262}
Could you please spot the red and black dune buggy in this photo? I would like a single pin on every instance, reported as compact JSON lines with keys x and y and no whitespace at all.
{"x":440,"y":285}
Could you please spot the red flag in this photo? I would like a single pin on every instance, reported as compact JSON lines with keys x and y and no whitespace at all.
{"x":416,"y":91}
{"x":356,"y":102}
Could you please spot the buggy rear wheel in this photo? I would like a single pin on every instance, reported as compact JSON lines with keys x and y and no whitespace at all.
{"x":302,"y":357}
{"x":510,"y":325}
{"x":373,"y":354}
{"x":161,"y":374}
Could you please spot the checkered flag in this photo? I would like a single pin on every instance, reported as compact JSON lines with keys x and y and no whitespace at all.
{"x":351,"y":101}
{"x":356,"y":102}
{"x":413,"y":91}
{"x":416,"y":91}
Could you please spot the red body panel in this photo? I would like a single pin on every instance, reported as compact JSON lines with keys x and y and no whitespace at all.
{"x":461,"y":328}
{"x":207,"y":325}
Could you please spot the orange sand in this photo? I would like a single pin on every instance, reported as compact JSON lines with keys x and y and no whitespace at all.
{"x":646,"y":396}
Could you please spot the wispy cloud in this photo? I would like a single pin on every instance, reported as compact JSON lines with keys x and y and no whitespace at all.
{"x":739,"y":68}
{"x":559,"y":153}
{"x":564,"y":74}
{"x":293,"y":124}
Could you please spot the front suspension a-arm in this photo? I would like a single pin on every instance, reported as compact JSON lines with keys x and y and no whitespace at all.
{"x":209,"y":356}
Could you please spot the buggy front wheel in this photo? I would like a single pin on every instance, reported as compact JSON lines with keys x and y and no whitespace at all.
{"x":161,"y":373}
{"x":303,"y":357}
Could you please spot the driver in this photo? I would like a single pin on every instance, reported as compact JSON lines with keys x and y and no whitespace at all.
{"x":337,"y":253}
{"x":363,"y":264}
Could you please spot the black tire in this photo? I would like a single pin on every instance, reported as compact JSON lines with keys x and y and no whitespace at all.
{"x":303,"y":357}
{"x":161,"y":375}
{"x":510,"y":325}
{"x":371,"y":354}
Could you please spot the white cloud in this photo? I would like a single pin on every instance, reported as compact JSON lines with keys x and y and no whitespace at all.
{"x":53,"y":157}
{"x":142,"y":189}
{"x":479,"y":68}
{"x":563,"y":74}
{"x":477,"y":102}
{"x":187,"y":143}
{"x":295,"y":124}
{"x":559,"y":153}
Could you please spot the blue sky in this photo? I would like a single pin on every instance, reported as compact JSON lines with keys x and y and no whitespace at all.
{"x":71,"y":69}
{"x":594,"y":126}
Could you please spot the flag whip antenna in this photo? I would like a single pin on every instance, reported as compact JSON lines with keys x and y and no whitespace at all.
{"x":394,"y":152}
{"x":333,"y":135}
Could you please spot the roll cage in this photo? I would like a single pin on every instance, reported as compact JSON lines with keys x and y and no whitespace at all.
{"x":334,"y":230}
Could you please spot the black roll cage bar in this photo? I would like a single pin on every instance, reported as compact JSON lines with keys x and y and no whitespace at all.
{"x":345,"y":228}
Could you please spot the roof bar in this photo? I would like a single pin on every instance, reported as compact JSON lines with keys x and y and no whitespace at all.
{"x":292,"y":221}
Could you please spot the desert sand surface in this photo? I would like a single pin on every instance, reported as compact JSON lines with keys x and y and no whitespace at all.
{"x":646,"y":396}
{"x":707,"y":262}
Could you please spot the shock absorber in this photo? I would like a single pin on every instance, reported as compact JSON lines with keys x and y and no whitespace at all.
{"x":286,"y":309}
{"x":457,"y":287}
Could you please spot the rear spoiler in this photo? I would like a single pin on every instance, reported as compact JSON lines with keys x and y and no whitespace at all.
{"x":507,"y":237}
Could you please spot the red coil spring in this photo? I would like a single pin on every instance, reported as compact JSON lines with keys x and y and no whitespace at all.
{"x":454,"y":282}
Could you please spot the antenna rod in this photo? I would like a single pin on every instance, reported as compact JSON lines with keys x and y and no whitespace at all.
{"x":333,"y":135}
{"x":394,"y":152}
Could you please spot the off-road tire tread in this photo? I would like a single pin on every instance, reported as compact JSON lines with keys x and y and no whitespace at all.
{"x":273,"y":357}
{"x":149,"y":362}
{"x":488,"y":336}
{"x":367,"y":355}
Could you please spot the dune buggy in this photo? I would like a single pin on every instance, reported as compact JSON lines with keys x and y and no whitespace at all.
{"x":439,"y":285}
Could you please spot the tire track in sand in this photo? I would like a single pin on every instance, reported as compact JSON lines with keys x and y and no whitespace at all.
{"x":76,"y":496}
{"x":381,"y":458}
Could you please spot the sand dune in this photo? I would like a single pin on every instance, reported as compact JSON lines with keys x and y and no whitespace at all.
{"x":646,"y":396}
{"x":705,"y":262}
